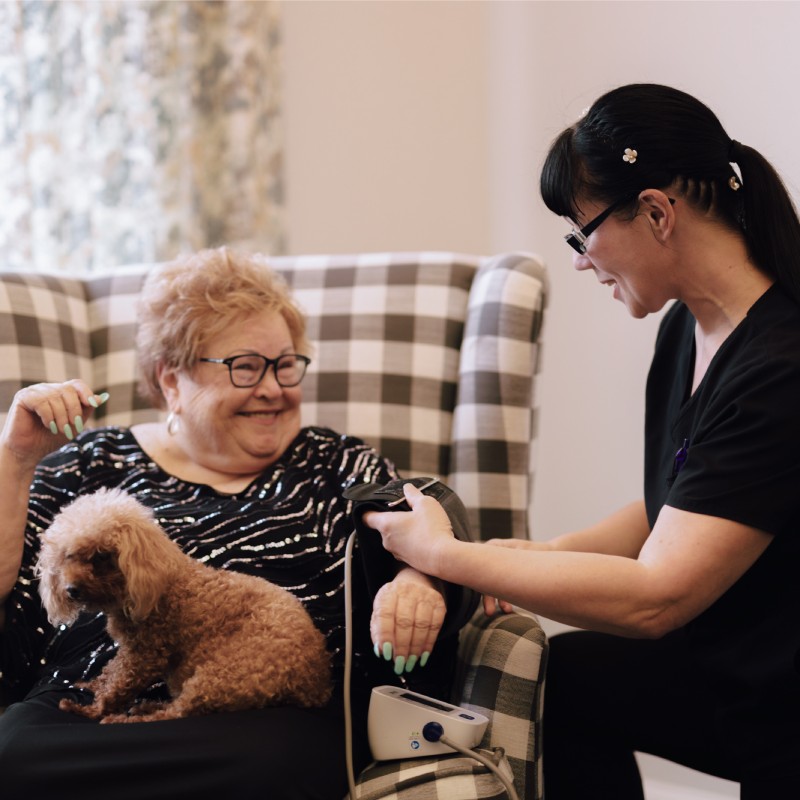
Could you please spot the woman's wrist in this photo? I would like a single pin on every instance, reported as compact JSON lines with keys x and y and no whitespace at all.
{"x":16,"y":467}
{"x":441,"y":558}
{"x":412,"y":575}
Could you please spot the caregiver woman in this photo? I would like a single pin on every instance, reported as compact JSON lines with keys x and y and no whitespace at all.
{"x":689,"y":598}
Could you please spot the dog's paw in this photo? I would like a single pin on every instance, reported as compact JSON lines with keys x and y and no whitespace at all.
{"x":146,"y":707}
{"x":113,"y":719}
{"x":90,"y":711}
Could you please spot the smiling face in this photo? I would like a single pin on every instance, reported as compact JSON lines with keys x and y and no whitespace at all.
{"x":631,"y":257}
{"x":228,"y":429}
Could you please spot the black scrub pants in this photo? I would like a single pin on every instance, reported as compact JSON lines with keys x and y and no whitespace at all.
{"x":607,"y":697}
{"x":281,"y":753}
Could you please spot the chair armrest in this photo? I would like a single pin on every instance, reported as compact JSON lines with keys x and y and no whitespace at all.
{"x":500,"y":673}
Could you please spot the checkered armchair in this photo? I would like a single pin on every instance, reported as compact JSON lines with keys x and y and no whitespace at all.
{"x":431,"y":357}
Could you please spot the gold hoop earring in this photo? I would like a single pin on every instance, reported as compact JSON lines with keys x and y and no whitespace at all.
{"x":173,"y":423}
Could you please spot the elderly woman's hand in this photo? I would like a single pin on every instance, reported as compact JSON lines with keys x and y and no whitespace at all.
{"x":407,"y":616}
{"x":42,"y":416}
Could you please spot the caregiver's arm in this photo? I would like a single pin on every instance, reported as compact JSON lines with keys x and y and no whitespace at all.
{"x":686,"y":563}
{"x":622,"y":533}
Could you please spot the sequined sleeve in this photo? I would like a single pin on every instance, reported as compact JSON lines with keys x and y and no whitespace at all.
{"x":27,"y":631}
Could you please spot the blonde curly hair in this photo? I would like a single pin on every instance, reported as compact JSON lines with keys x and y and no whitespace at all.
{"x":189,"y":301}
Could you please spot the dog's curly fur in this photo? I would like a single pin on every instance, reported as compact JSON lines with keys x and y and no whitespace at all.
{"x":222,"y":641}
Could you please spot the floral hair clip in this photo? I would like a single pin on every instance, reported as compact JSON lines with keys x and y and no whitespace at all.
{"x":630,"y":155}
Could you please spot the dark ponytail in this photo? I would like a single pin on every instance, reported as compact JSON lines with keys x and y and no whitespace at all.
{"x":771,"y":226}
{"x":650,"y":136}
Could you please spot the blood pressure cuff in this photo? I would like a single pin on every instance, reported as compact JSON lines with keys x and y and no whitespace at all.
{"x":380,"y":566}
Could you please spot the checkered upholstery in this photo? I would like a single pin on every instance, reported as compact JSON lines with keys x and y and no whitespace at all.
{"x":431,"y":357}
{"x":44,"y":332}
{"x":500,"y":673}
{"x":57,"y":327}
{"x":450,"y":778}
{"x":501,"y":667}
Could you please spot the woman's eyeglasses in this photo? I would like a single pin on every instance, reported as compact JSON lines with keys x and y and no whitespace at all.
{"x":248,"y":371}
{"x":577,"y":239}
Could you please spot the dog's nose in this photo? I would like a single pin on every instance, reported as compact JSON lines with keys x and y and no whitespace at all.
{"x":73,"y":592}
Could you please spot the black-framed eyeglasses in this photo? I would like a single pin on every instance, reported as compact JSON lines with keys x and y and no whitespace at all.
{"x":249,"y":370}
{"x":577,"y":239}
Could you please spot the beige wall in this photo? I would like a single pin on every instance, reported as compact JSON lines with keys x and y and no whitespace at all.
{"x":386,"y":128}
{"x":422,"y":125}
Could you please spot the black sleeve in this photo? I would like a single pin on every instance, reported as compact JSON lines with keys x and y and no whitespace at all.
{"x":378,"y":566}
{"x":27,"y":631}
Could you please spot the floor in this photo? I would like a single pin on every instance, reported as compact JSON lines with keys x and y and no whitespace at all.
{"x":664,"y":780}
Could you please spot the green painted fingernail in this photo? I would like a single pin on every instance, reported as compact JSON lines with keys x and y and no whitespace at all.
{"x":104,"y":397}
{"x":54,"y":428}
{"x":79,"y":424}
{"x":377,"y":650}
{"x":387,"y":651}
{"x":399,"y":665}
{"x":92,"y":402}
{"x":68,"y":432}
{"x":411,"y":663}
{"x":424,"y":658}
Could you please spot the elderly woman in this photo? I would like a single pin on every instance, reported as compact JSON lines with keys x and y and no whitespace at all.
{"x":690,"y":596}
{"x":236,"y":481}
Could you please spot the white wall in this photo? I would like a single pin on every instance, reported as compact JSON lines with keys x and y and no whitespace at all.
{"x":422,"y":125}
{"x":740,"y":58}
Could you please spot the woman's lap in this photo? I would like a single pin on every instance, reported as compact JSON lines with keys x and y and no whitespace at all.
{"x":284,"y":753}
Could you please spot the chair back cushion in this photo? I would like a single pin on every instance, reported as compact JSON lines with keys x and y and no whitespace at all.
{"x":430,"y":357}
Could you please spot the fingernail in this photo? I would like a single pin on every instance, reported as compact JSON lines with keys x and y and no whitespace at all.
{"x":104,"y":397}
{"x":78,"y":424}
{"x":411,"y":662}
{"x":387,"y":651}
{"x":68,"y":431}
{"x":377,"y":650}
{"x":424,"y":658}
{"x":92,"y":402}
{"x":399,"y":665}
{"x":54,"y":428}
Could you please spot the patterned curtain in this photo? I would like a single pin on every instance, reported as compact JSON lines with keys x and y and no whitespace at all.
{"x":132,"y":131}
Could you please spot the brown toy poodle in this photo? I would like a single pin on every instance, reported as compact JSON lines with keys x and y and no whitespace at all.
{"x":222,"y":641}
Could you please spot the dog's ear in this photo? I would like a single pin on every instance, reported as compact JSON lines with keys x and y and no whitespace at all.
{"x":48,"y":570}
{"x":147,"y":558}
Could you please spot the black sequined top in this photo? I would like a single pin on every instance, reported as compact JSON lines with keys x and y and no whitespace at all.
{"x":290,"y":526}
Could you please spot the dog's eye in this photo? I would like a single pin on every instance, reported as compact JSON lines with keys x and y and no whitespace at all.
{"x":102,"y":559}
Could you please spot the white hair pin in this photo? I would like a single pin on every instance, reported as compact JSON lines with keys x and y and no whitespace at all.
{"x":630,"y":155}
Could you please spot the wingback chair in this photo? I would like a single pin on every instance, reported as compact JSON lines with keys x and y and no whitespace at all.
{"x":432,"y":358}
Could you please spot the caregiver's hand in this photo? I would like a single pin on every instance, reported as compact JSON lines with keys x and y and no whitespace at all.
{"x":417,"y":537}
